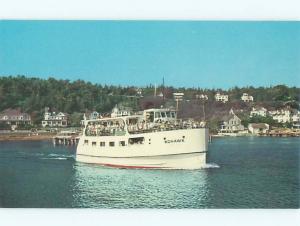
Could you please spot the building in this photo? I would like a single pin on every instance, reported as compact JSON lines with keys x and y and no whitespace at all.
{"x":282,"y":116}
{"x":53,"y":119}
{"x":246,"y":97}
{"x":119,"y":111}
{"x":201,"y":97}
{"x":160,"y":94}
{"x":231,"y":123}
{"x":258,"y":128}
{"x":14,"y":118}
{"x":259,"y":111}
{"x":296,"y":119}
{"x":90,"y":115}
{"x":221,"y":98}
{"x":139,"y":91}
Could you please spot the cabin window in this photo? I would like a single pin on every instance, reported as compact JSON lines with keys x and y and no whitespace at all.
{"x":122,"y":143}
{"x":111,"y":144}
{"x":86,"y":142}
{"x":168,"y":114}
{"x":93,"y":143}
{"x":136,"y":140}
{"x":173,"y":114}
{"x":102,"y":144}
{"x":163,"y":114}
{"x":151,"y":116}
{"x":157,"y":115}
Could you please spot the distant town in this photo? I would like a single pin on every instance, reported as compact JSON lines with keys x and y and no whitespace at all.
{"x":30,"y":104}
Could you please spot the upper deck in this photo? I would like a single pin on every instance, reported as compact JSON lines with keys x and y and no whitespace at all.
{"x":151,"y":120}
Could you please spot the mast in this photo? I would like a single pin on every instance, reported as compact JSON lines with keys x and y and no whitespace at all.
{"x":163,"y":89}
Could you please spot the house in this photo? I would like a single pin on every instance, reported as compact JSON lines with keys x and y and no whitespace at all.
{"x":160,"y":94}
{"x":139,"y":91}
{"x":259,"y":111}
{"x":221,"y":98}
{"x":282,"y":116}
{"x":53,"y":119}
{"x":119,"y":111}
{"x":201,"y":97}
{"x":92,"y":115}
{"x":88,"y":115}
{"x":246,"y":97}
{"x":14,"y":117}
{"x":231,"y":123}
{"x":296,"y":119}
{"x":258,"y":128}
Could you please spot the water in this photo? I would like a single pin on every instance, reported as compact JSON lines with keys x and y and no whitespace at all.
{"x":244,"y":172}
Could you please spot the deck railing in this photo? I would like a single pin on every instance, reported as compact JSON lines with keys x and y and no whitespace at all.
{"x":135,"y":129}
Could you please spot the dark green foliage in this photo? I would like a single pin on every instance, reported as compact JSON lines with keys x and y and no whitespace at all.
{"x":25,"y":126}
{"x":33,"y":94}
{"x":260,"y":119}
{"x":75,"y":119}
{"x":4,"y":126}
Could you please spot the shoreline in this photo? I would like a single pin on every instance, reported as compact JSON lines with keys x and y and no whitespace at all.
{"x":24,"y":137}
{"x":27,"y":137}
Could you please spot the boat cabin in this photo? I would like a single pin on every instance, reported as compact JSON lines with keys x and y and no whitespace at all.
{"x":150,"y":119}
{"x":160,"y":115}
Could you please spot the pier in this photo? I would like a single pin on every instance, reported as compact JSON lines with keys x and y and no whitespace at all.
{"x":66,"y":138}
{"x":284,"y":133}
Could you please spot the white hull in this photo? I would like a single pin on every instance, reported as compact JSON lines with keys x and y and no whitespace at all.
{"x":176,"y":149}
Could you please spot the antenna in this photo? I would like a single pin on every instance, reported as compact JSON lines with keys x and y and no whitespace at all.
{"x":163,"y":88}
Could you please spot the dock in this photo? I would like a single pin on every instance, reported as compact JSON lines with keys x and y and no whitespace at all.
{"x":66,"y":138}
{"x":284,"y":133}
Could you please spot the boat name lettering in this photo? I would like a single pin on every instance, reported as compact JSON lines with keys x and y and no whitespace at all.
{"x":174,"y":141}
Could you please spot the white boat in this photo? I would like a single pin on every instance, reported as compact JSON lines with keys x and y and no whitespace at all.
{"x":154,"y":139}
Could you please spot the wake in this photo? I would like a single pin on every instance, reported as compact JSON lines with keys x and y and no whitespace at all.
{"x":211,"y":165}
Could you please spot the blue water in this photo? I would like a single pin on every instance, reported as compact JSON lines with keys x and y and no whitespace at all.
{"x":246,"y":172}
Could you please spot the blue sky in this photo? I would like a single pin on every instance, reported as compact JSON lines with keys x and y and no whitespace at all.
{"x":186,"y":53}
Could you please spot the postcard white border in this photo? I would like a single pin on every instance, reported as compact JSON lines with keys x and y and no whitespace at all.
{"x":151,"y":9}
{"x":158,"y":10}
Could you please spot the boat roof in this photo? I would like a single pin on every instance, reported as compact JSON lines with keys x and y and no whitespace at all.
{"x":159,"y":109}
{"x":130,"y":116}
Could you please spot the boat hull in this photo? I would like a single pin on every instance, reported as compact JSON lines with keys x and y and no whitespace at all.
{"x":194,"y":160}
{"x":178,"y":149}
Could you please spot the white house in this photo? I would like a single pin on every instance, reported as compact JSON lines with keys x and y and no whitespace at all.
{"x":282,"y":116}
{"x":259,"y":111}
{"x":273,"y":112}
{"x":296,"y":119}
{"x":221,"y":98}
{"x":53,"y":119}
{"x":160,"y":94}
{"x":231,"y":123}
{"x":201,"y":97}
{"x":139,"y":91}
{"x":246,"y":97}
{"x":93,"y":115}
{"x":258,"y":128}
{"x":90,"y":116}
{"x":118,"y":111}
